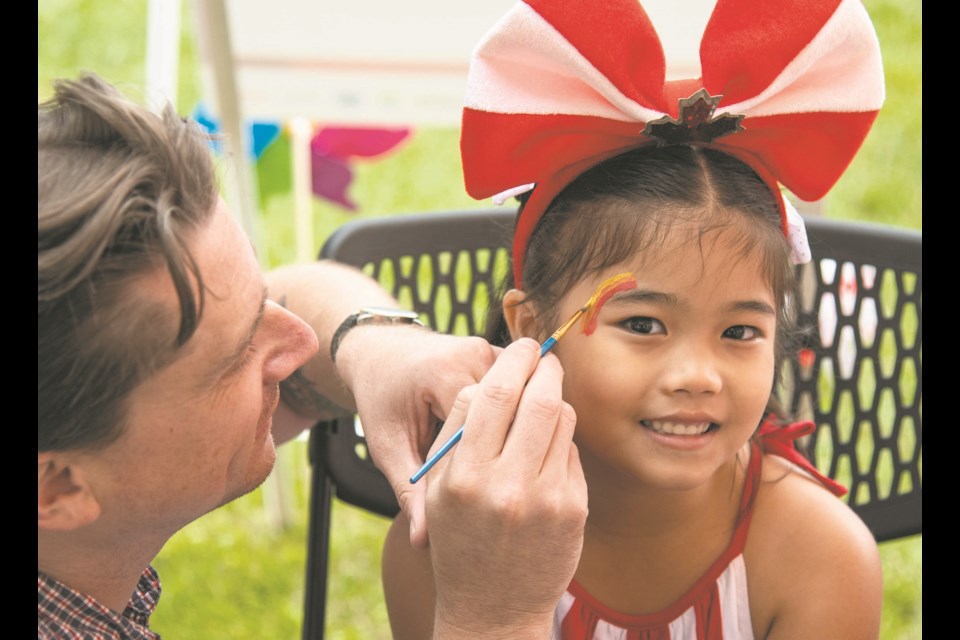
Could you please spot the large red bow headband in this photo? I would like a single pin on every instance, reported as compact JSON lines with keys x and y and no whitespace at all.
{"x":558,"y":86}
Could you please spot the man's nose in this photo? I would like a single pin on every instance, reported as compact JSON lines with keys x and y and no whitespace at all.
{"x":292,"y":342}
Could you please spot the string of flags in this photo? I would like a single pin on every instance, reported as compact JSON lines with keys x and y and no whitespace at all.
{"x":334,"y":151}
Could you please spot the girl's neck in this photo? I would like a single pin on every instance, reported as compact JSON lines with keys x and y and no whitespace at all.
{"x":645,"y":546}
{"x":623,"y":507}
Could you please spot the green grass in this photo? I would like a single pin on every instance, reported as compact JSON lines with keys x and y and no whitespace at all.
{"x":235,"y":573}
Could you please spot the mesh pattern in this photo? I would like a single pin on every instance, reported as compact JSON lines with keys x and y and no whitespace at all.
{"x":857,"y":376}
{"x":451,"y":290}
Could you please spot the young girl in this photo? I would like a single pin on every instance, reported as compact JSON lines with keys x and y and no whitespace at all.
{"x":704,"y":522}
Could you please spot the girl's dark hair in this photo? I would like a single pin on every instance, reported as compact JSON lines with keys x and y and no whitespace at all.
{"x":628,"y":204}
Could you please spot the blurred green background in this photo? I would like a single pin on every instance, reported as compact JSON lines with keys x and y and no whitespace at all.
{"x":238,"y":572}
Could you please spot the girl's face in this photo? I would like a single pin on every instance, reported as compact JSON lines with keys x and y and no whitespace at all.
{"x":678,"y":373}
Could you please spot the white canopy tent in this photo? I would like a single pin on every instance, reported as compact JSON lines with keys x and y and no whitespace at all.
{"x":362,"y":62}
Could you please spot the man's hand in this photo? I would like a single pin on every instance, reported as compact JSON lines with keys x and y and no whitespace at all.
{"x":507,"y":505}
{"x":404,"y":381}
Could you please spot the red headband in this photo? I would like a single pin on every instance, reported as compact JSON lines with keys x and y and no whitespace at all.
{"x":558,"y":86}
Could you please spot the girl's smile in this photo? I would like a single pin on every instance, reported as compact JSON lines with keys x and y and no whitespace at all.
{"x":679,"y":427}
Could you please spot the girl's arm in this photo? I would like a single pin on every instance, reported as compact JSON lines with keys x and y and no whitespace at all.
{"x":818,"y":574}
{"x":407,"y":584}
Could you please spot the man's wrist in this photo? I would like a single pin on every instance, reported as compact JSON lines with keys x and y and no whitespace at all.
{"x":370,"y":347}
{"x":370,"y":316}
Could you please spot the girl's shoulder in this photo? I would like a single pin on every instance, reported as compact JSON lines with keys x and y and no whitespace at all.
{"x":810,"y":559}
{"x":797,"y":519}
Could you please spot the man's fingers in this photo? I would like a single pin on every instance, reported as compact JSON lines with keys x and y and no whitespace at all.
{"x":537,"y":419}
{"x":456,"y":418}
{"x":557,"y":461}
{"x":458,"y":414}
{"x":471,"y":362}
{"x":412,"y":497}
{"x":413,"y":504}
{"x":498,"y":395}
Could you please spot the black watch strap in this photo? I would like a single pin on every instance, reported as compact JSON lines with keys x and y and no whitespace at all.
{"x":370,"y":315}
{"x":349,"y":323}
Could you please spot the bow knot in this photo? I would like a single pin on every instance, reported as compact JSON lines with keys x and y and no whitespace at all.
{"x":696,"y":122}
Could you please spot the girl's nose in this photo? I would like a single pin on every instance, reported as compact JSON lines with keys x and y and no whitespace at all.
{"x":290,"y":341}
{"x":692,"y":370}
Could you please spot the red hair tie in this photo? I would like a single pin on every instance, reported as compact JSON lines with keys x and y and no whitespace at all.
{"x":780,"y":440}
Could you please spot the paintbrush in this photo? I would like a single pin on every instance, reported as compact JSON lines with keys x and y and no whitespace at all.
{"x":587,"y":313}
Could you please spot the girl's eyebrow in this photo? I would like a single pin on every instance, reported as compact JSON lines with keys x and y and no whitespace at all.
{"x":660,"y":297}
{"x":643,"y":295}
{"x":758,"y":306}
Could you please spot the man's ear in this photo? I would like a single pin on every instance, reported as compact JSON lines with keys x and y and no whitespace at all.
{"x":520,"y":318}
{"x":65,"y":500}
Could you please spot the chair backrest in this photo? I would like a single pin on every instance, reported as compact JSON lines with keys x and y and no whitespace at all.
{"x":446,"y":267}
{"x":858,"y":375}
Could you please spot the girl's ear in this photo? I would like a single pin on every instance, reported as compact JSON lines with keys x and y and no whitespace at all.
{"x":520,"y":317}
{"x":65,"y":500}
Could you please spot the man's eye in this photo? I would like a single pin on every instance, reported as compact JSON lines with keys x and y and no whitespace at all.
{"x":248,"y":355}
{"x":644,"y":326}
{"x":742,"y":332}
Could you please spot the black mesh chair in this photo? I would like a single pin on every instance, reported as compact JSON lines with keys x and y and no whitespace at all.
{"x":858,"y":375}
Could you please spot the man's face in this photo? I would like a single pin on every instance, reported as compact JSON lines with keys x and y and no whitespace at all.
{"x":197,"y":434}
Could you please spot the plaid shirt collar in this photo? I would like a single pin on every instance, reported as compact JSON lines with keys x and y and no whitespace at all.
{"x":63,"y":613}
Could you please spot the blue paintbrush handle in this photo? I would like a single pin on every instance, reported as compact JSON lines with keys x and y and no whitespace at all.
{"x":547,"y":345}
{"x":442,"y":451}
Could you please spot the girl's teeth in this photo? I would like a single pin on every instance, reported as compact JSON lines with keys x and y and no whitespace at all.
{"x":676,"y":429}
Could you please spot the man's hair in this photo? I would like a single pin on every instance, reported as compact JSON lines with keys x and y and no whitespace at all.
{"x":119,"y":190}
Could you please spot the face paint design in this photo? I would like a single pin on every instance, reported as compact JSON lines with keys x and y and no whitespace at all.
{"x":607,"y":289}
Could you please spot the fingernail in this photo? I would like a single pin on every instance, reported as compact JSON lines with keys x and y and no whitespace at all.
{"x":530,"y":344}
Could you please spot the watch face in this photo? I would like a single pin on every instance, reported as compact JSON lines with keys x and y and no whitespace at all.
{"x":389,"y":314}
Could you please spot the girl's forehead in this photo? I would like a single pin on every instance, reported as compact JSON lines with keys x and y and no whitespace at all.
{"x":692,"y":260}
{"x":682,"y":242}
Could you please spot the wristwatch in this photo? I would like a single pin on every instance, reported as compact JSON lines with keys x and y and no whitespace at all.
{"x":371,"y":315}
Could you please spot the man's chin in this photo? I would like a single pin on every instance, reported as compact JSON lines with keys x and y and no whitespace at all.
{"x":259,"y":472}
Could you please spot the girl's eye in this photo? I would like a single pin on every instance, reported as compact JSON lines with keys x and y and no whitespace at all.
{"x":644,"y":326}
{"x":742,"y":332}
